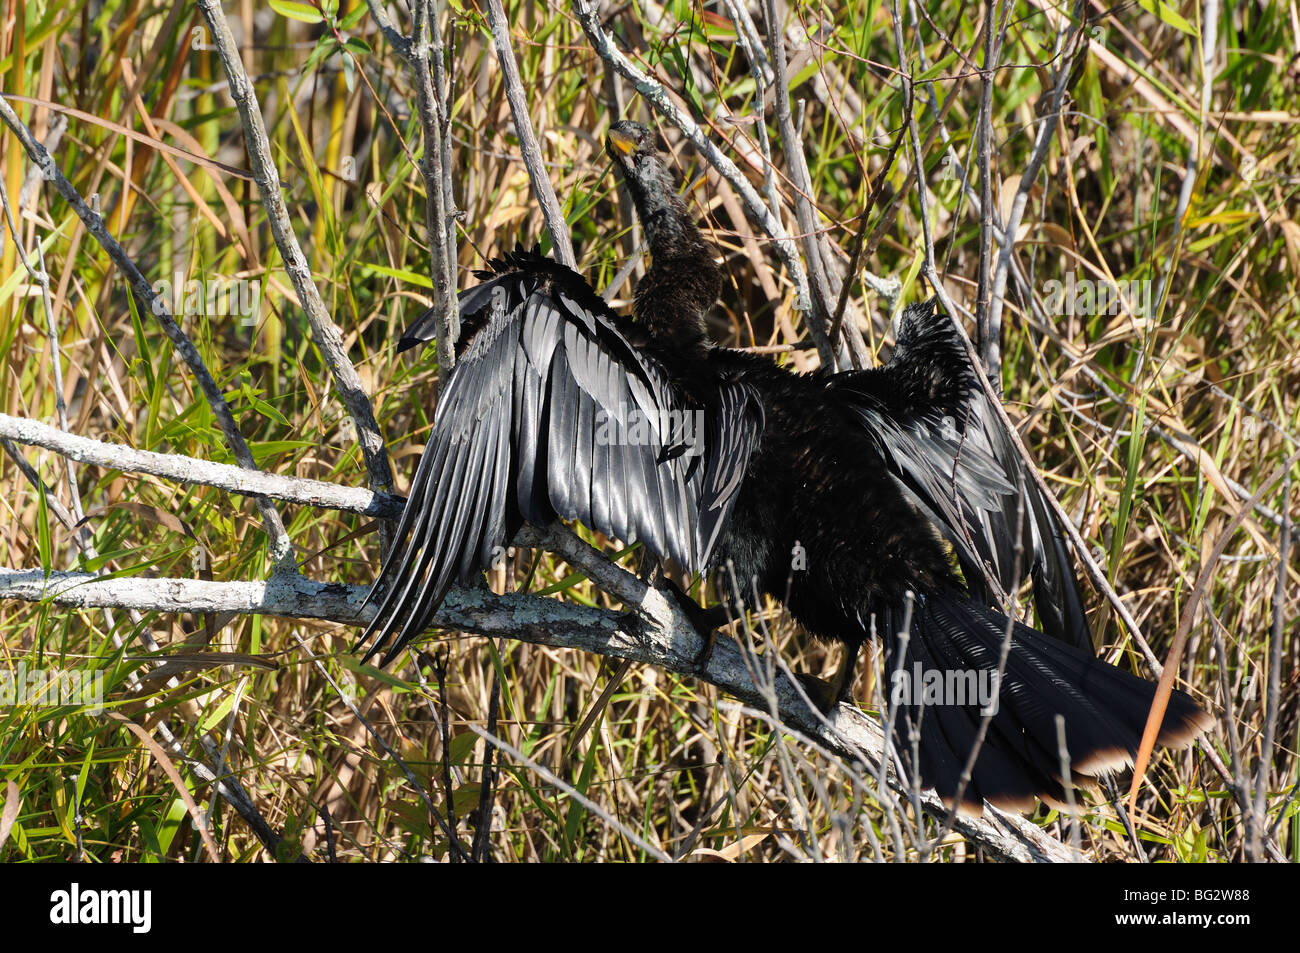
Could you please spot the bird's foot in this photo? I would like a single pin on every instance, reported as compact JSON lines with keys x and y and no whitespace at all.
{"x":827,"y":693}
{"x":823,"y":694}
{"x":705,"y":621}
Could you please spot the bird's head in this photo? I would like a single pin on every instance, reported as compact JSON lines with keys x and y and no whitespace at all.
{"x":636,"y":156}
{"x":669,"y":226}
{"x":629,"y":144}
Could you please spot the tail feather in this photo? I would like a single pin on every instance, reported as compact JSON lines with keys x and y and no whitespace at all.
{"x":953,"y":649}
{"x":1007,"y":771}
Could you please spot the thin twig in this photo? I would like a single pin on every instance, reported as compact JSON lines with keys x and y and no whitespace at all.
{"x":453,"y":843}
{"x":985,"y":343}
{"x":1273,"y":698}
{"x":487,"y":782}
{"x":1071,"y":43}
{"x":528,"y":147}
{"x":551,"y":778}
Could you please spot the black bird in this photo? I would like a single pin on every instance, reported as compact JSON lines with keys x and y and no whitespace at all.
{"x":841,"y":494}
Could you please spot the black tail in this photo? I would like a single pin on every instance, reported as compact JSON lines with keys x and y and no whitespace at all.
{"x":948,"y":677}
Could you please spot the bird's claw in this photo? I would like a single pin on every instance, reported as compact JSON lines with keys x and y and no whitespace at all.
{"x":823,"y":694}
{"x":705,"y":622}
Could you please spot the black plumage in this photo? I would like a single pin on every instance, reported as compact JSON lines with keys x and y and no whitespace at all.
{"x":841,"y":494}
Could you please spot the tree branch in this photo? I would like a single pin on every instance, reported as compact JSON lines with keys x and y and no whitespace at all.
{"x":183,"y":469}
{"x":324,"y":331}
{"x":660,"y":635}
{"x":435,"y":169}
{"x":528,"y":147}
{"x":819,"y":322}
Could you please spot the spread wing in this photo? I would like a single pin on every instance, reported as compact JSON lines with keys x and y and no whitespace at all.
{"x":941,"y":439}
{"x":552,"y":411}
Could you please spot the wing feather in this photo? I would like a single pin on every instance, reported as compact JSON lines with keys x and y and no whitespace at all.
{"x":939,"y":435}
{"x":551,"y":411}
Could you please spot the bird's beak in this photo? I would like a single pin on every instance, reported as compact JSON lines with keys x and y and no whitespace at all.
{"x":621,"y":141}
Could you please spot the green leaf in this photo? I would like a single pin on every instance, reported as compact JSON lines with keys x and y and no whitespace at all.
{"x":84,"y":773}
{"x":270,"y":448}
{"x":350,"y":71}
{"x":465,"y":798}
{"x":938,"y":69}
{"x":354,"y":16}
{"x":410,"y":277}
{"x":577,"y":810}
{"x":264,"y":408}
{"x":461,"y":746}
{"x":218,"y":714}
{"x":1168,"y":16}
{"x":297,"y":11}
{"x":370,"y":671}
{"x":324,"y":47}
{"x":142,"y":341}
{"x":44,"y":544}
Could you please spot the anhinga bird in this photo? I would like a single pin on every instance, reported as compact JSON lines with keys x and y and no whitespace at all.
{"x":642,"y":429}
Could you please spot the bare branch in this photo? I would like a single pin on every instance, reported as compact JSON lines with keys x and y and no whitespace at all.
{"x":532,"y":153}
{"x":1070,"y":44}
{"x":1273,"y":697}
{"x":819,"y":322}
{"x":324,"y":331}
{"x":183,"y":469}
{"x":987,"y":344}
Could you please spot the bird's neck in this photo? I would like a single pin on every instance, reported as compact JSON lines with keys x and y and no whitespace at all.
{"x":683,"y":281}
{"x":668,"y":225}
